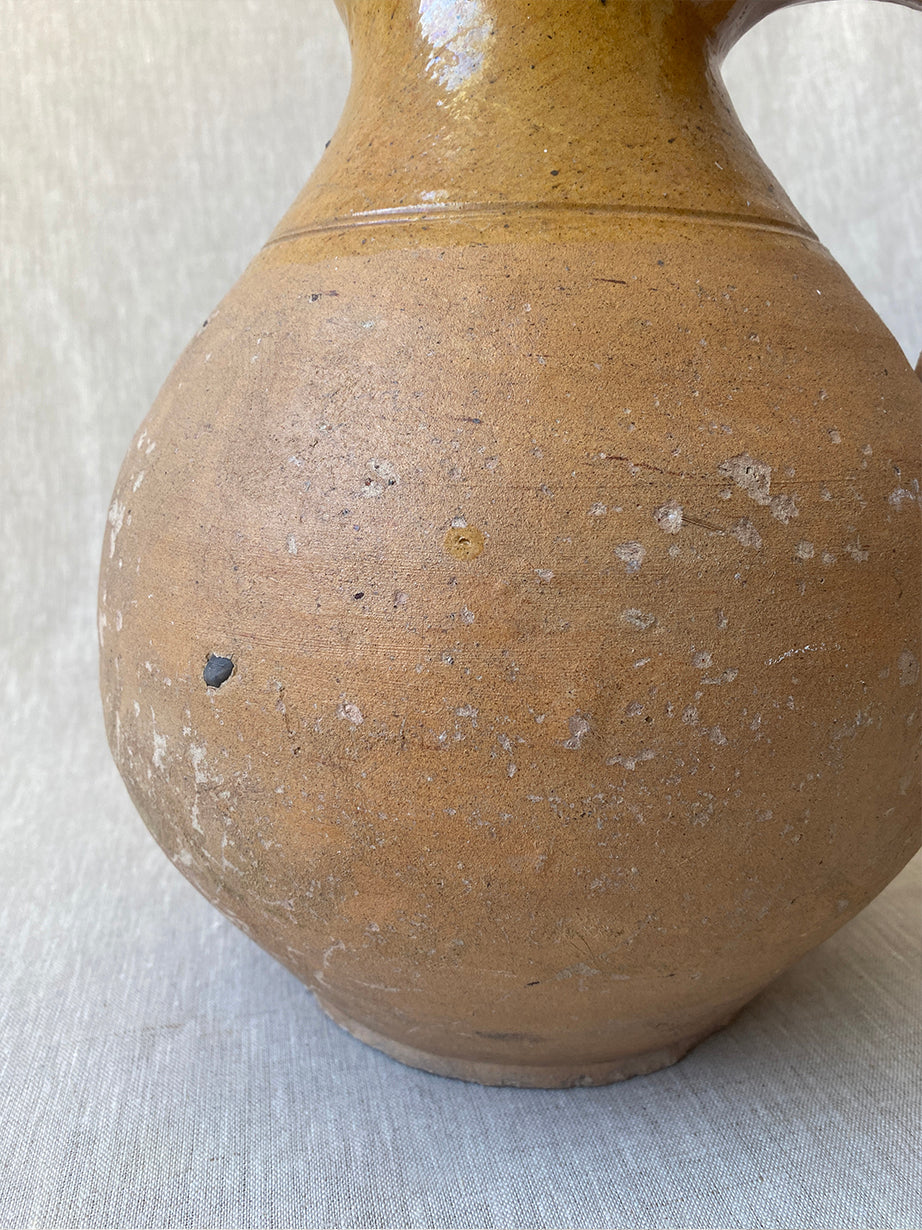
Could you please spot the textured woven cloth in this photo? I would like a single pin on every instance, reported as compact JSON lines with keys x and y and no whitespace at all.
{"x":157,"y":1069}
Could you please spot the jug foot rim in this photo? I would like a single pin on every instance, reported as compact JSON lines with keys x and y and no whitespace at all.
{"x":525,"y":1076}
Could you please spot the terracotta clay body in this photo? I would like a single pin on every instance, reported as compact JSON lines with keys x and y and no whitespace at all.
{"x":552,"y":498}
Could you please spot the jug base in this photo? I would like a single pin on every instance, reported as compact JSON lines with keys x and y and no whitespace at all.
{"x":525,"y":1076}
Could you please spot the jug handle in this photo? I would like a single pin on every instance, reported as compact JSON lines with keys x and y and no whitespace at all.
{"x":730,"y":19}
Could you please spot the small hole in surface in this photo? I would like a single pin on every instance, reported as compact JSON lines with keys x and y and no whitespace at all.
{"x":464,"y":542}
{"x":217,"y":670}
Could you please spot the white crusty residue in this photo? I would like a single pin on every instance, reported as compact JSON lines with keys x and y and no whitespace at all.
{"x":669,"y":517}
{"x":383,"y":475}
{"x":752,"y":476}
{"x":631,"y":762}
{"x":783,"y":508}
{"x":641,"y":620}
{"x":901,"y":494}
{"x":632,"y":554}
{"x":790,"y":653}
{"x":197,"y":755}
{"x":579,"y":727}
{"x":745,"y":532}
{"x":159,"y":750}
{"x":908,"y":666}
{"x":116,"y":519}
{"x":726,"y":676}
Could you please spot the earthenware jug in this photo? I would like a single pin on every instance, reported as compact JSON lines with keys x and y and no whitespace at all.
{"x":510,"y":607}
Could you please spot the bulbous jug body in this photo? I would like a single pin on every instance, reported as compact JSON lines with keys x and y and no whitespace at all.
{"x":510,"y":607}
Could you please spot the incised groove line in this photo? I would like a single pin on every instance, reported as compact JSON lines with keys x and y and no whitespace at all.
{"x":452,"y":211}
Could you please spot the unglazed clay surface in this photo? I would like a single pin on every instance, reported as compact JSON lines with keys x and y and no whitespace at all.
{"x":510,"y":608}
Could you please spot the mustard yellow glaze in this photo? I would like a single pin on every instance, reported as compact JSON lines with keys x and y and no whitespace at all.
{"x":555,"y":498}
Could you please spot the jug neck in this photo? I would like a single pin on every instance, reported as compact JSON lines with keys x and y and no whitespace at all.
{"x":467,"y":104}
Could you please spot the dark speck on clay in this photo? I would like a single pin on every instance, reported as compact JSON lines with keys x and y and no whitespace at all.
{"x":217,"y":670}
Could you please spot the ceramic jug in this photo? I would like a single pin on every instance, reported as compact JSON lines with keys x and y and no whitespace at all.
{"x":510,"y":608}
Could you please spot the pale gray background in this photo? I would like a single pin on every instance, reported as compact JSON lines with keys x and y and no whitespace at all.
{"x":156,"y":1069}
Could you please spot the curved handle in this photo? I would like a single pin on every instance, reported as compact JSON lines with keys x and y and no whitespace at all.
{"x":730,"y":19}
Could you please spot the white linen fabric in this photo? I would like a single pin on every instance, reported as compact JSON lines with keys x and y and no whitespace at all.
{"x":156,"y":1068}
